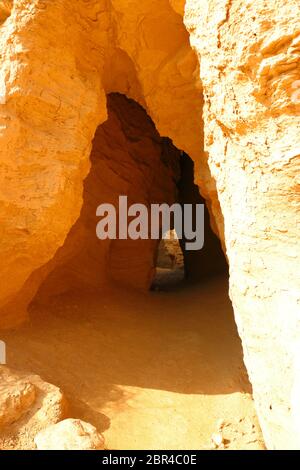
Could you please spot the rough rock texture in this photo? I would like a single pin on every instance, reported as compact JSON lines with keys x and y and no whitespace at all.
{"x":58,"y":60}
{"x":51,"y":107}
{"x":70,"y":434}
{"x":27,"y":405}
{"x":249,"y":60}
{"x":16,"y":397}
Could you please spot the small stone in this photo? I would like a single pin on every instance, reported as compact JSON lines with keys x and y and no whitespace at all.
{"x":70,"y":434}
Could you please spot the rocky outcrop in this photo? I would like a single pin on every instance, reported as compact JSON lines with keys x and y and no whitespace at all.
{"x":32,"y":414}
{"x":27,"y":406}
{"x":59,"y":60}
{"x":50,"y":110}
{"x":16,"y":397}
{"x":249,"y":60}
{"x":50,"y":107}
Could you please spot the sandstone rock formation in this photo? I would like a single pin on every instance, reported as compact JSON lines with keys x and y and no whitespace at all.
{"x":249,"y":60}
{"x":70,"y":434}
{"x":50,"y":111}
{"x":59,"y":60}
{"x":27,"y":405}
{"x":16,"y":397}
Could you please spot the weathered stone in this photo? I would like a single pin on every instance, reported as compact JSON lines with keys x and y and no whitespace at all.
{"x":70,"y":434}
{"x":249,"y":60}
{"x":16,"y":397}
{"x":27,"y":405}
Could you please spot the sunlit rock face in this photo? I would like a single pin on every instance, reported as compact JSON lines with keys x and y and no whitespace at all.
{"x":249,"y":61}
{"x":52,"y":105}
{"x":59,"y":62}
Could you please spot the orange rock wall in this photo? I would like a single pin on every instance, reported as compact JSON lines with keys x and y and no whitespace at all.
{"x":249,"y":55}
{"x":59,"y":59}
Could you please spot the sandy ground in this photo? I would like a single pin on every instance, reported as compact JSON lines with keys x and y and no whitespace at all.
{"x":150,"y":371}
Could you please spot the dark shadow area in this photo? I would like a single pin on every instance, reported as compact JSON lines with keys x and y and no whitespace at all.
{"x":175,"y":264}
{"x":210,"y":260}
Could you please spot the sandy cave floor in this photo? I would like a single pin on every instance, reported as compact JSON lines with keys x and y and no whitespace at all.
{"x":150,"y":371}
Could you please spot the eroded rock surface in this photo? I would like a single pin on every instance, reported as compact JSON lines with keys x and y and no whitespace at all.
{"x":51,"y":109}
{"x":70,"y":434}
{"x":27,"y":405}
{"x":249,"y":60}
{"x":16,"y":397}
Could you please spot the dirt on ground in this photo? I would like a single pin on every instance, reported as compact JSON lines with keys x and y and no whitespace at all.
{"x":162,"y":370}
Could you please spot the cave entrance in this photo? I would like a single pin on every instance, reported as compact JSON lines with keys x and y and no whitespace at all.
{"x":160,"y":173}
{"x":130,"y":158}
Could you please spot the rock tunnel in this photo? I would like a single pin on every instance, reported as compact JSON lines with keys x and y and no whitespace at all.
{"x":129,"y":158}
{"x":167,"y":101}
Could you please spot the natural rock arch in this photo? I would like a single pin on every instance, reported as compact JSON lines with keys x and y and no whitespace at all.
{"x":52,"y":104}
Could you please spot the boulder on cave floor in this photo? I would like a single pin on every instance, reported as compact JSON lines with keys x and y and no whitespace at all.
{"x":70,"y":434}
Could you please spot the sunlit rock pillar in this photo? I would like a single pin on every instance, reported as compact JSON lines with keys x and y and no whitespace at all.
{"x":50,"y":105}
{"x":249,"y":62}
